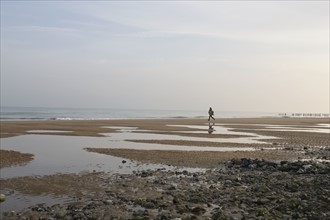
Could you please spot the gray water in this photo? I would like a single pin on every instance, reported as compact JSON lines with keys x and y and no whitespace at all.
{"x":30,"y":113}
{"x":66,"y":154}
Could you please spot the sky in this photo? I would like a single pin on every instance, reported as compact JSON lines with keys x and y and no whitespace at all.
{"x":261,"y":56}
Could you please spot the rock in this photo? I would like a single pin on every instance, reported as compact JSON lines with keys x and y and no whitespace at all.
{"x":197,"y":199}
{"x":245,"y":162}
{"x":149,"y":205}
{"x":198,"y":210}
{"x":262,"y":201}
{"x":146,"y":174}
{"x":228,"y":182}
{"x":140,"y":213}
{"x":251,"y":189}
{"x":2,"y":197}
{"x":219,"y":216}
{"x":79,"y":215}
{"x":60,"y":213}
{"x":108,"y":202}
{"x":176,"y":200}
{"x":308,"y":168}
{"x":230,"y":164}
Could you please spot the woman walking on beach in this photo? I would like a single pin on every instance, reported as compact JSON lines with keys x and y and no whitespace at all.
{"x":211,"y":113}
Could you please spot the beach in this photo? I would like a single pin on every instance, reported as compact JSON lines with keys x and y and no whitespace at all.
{"x":164,"y":110}
{"x":229,"y":171}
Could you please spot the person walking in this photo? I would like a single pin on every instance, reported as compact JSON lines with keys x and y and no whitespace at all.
{"x":211,"y":113}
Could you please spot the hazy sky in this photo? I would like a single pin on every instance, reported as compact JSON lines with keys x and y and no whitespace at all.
{"x":270,"y":56}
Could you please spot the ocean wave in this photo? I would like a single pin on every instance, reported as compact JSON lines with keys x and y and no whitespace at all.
{"x":34,"y":113}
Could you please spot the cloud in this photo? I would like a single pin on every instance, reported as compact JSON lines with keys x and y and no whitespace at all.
{"x":45,"y":29}
{"x":263,"y":22}
{"x":82,"y":23}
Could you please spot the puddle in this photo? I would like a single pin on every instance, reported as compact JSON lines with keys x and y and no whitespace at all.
{"x":318,"y":128}
{"x":47,"y":131}
{"x":316,"y":160}
{"x":65,"y":154}
{"x":247,"y":137}
{"x":279,"y":128}
{"x":321,"y":128}
{"x":18,"y":202}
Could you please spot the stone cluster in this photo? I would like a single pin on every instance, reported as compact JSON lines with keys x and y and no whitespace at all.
{"x":241,"y":189}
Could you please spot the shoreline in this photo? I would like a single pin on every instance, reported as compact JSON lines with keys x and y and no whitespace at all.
{"x":95,"y":127}
{"x":152,"y":118}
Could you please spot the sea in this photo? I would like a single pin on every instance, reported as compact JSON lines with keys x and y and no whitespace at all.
{"x":42,"y":113}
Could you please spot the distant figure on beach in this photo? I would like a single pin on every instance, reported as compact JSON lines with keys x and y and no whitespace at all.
{"x":211,"y":113}
{"x":211,"y":129}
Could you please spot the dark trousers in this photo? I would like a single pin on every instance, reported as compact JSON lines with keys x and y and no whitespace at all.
{"x":210,"y":116}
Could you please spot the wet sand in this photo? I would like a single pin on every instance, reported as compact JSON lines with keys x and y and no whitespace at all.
{"x":97,"y":127}
{"x":291,"y":140}
{"x":196,"y":159}
{"x":253,"y":126}
{"x":13,"y":158}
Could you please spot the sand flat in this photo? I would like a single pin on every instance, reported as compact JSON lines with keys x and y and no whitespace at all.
{"x":196,"y":159}
{"x":253,"y":126}
{"x":96,"y":127}
{"x":10,"y":158}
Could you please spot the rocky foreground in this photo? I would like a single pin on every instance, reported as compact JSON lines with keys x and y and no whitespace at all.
{"x":241,"y":189}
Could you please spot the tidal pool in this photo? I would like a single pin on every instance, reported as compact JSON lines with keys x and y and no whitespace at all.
{"x":318,"y":128}
{"x":47,"y":131}
{"x":65,"y":154}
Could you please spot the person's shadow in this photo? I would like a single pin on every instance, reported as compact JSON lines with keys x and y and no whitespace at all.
{"x":211,"y":129}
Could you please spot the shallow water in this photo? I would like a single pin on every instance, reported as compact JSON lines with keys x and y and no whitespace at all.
{"x":318,"y":128}
{"x":19,"y":202}
{"x":247,"y":137}
{"x":47,"y":131}
{"x":127,"y":133}
{"x":61,"y":154}
{"x":66,"y":154}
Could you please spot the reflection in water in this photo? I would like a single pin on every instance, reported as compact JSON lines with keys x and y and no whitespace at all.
{"x":211,"y":129}
{"x":16,"y":201}
{"x":246,"y":137}
{"x":65,"y":154}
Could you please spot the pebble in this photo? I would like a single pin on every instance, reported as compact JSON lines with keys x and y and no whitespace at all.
{"x":2,"y":197}
{"x":243,"y":189}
